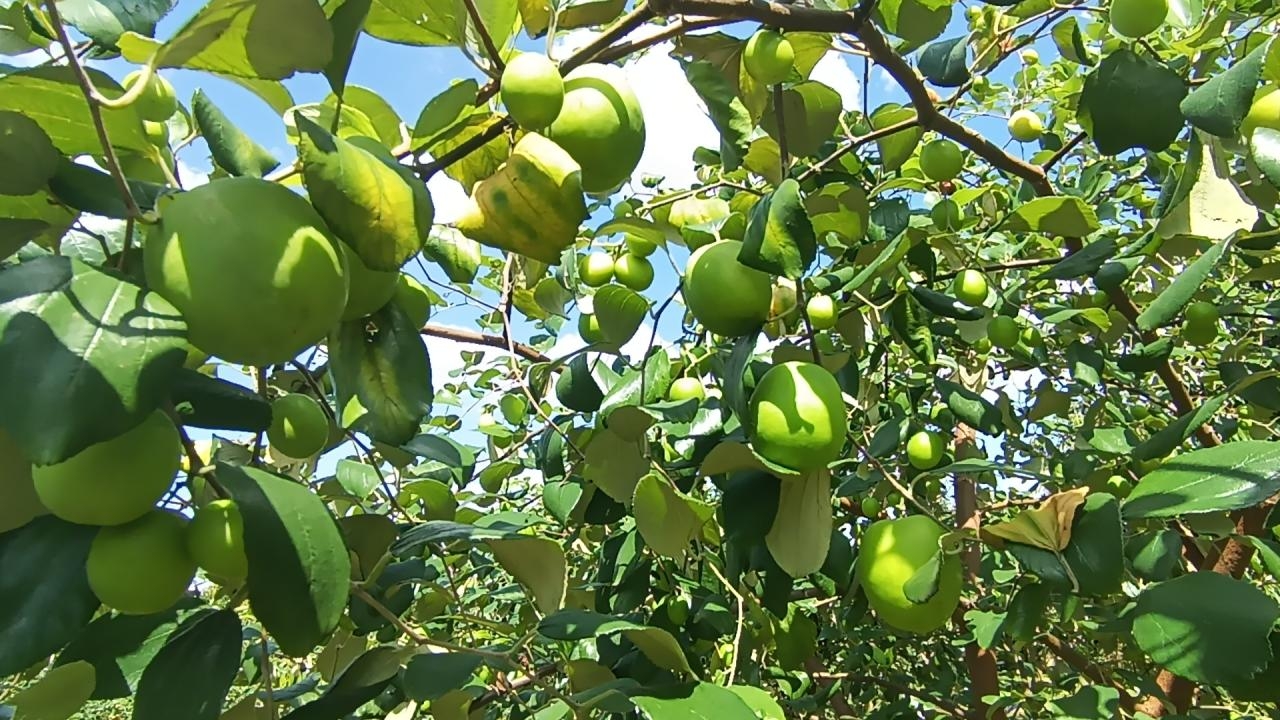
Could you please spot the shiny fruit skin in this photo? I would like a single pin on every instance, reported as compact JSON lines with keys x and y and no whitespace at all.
{"x":115,"y":481}
{"x":1138,"y":18}
{"x":889,"y":554}
{"x":1202,"y":312}
{"x":158,"y":102}
{"x":633,"y":271}
{"x":941,"y":160}
{"x":532,"y":90}
{"x":1025,"y":126}
{"x":142,"y":567}
{"x":970,"y":287}
{"x":870,"y":506}
{"x":589,"y":329}
{"x":595,"y":269}
{"x":251,"y":267}
{"x":686,"y":388}
{"x":157,"y":133}
{"x":822,"y":312}
{"x":925,"y":450}
{"x":768,"y":57}
{"x":367,"y":290}
{"x":215,"y":540}
{"x":1030,"y":56}
{"x":413,"y":298}
{"x":601,"y":126}
{"x":1263,"y":113}
{"x":643,"y":247}
{"x":712,"y":275}
{"x":299,"y":428}
{"x":1003,"y":332}
{"x":796,"y":416}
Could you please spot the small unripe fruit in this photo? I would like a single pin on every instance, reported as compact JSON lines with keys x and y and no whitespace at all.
{"x":925,"y":450}
{"x":1025,"y":126}
{"x":641,"y":246}
{"x":768,"y":57}
{"x":633,"y":271}
{"x":1263,"y":113}
{"x":1003,"y":331}
{"x":941,"y":159}
{"x":596,"y":269}
{"x":970,"y":287}
{"x":158,"y":102}
{"x":532,"y":90}
{"x":215,"y":540}
{"x":822,"y":312}
{"x":1138,"y":18}
{"x":299,"y":427}
{"x":685,"y":388}
{"x":870,"y":507}
{"x":1030,"y":57}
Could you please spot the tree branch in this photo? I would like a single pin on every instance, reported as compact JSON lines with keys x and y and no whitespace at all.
{"x":625,"y":25}
{"x":1086,"y":667}
{"x":476,"y":338}
{"x":485,"y":38}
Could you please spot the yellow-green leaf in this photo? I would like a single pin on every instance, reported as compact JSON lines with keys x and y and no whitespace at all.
{"x":1047,"y":527}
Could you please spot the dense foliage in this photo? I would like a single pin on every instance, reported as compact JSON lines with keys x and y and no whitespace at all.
{"x":960,"y":404}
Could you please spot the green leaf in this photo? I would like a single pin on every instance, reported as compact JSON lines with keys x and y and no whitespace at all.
{"x":45,"y":598}
{"x":1131,"y":101}
{"x":371,"y":204}
{"x":210,"y":402}
{"x":695,"y":701}
{"x":458,"y":255}
{"x":1175,"y":433}
{"x":1062,"y":215}
{"x":897,"y":148}
{"x":925,"y":581}
{"x":1146,"y":358}
{"x":1173,"y":298}
{"x":841,"y":209}
{"x":58,"y":695}
{"x":51,"y":96}
{"x":917,"y":21}
{"x":1154,"y":555}
{"x":911,"y":327}
{"x":620,"y":311}
{"x":444,"y":111}
{"x":384,"y":118}
{"x":232,"y":149}
{"x":1026,"y":611}
{"x":1219,"y":105}
{"x":357,"y":478}
{"x":657,"y":644}
{"x":758,"y":701}
{"x":27,"y":153}
{"x":1095,"y":554}
{"x":944,"y":305}
{"x":18,"y":489}
{"x":264,"y":39}
{"x":945,"y":62}
{"x":576,"y":389}
{"x":971,"y":408}
{"x":120,"y":647}
{"x":32,"y":218}
{"x":800,"y":536}
{"x":667,"y":519}
{"x":1228,"y":477}
{"x":1085,"y":261}
{"x":1070,"y":42}
{"x":94,"y":191}
{"x":1207,"y":203}
{"x":107,"y":351}
{"x":103,"y":21}
{"x":1251,"y":383}
{"x":640,"y":386}
{"x":346,"y":19}
{"x":429,"y":676}
{"x":779,"y":238}
{"x":1207,"y":627}
{"x":190,"y":676}
{"x":363,"y":680}
{"x":811,"y":112}
{"x":382,"y":374}
{"x":480,"y":163}
{"x":727,"y":112}
{"x":1090,"y":703}
{"x":299,"y":569}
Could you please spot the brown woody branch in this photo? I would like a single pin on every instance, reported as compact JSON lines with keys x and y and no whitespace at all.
{"x":1087,"y":667}
{"x":472,"y":337}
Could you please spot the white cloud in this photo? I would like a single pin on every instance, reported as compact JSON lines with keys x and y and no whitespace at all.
{"x":447,"y":196}
{"x":676,"y":121}
{"x":833,"y":70}
{"x":190,"y":176}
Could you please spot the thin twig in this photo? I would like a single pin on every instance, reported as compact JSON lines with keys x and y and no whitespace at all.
{"x":495,"y":56}
{"x":742,"y":620}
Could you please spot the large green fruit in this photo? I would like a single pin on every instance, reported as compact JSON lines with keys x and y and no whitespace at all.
{"x":797,"y":416}
{"x":116,"y":480}
{"x":686,"y":388}
{"x":252,"y":268}
{"x":633,"y":271}
{"x":890,"y":553}
{"x":1263,"y":113}
{"x":142,"y":567}
{"x":600,"y":125}
{"x":299,"y":427}
{"x":215,"y":541}
{"x":413,"y":298}
{"x":532,"y":90}
{"x":158,"y":102}
{"x":768,"y":57}
{"x":1025,"y":126}
{"x":925,"y":450}
{"x":970,"y":287}
{"x":822,"y":312}
{"x":595,"y":269}
{"x":367,"y":290}
{"x":941,"y":159}
{"x":727,"y":297}
{"x":1138,"y":18}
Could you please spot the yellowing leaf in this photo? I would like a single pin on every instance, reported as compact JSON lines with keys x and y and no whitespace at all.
{"x":615,"y":465}
{"x":538,"y":564}
{"x":1047,"y":527}
{"x":667,"y":519}
{"x":801,"y":532}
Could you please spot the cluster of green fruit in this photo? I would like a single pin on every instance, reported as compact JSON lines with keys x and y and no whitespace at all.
{"x":631,"y":269}
{"x":142,"y":558}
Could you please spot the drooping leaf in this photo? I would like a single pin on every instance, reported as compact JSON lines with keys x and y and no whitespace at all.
{"x":911,"y":327}
{"x":382,"y":374}
{"x":430,"y":676}
{"x":779,"y":238}
{"x":93,"y":191}
{"x":1228,"y":477}
{"x":619,"y":311}
{"x":1063,"y":215}
{"x":727,"y":112}
{"x":346,"y":20}
{"x":1220,"y":105}
{"x":667,"y":519}
{"x":1213,"y":206}
{"x":1206,"y":627}
{"x":1095,"y":555}
{"x":190,"y":676}
{"x":363,"y":680}
{"x":944,"y":63}
{"x":1173,"y":298}
{"x":943,"y":304}
{"x":57,"y":695}
{"x":299,"y":569}
{"x":1070,"y":42}
{"x":1085,"y":261}
{"x":210,"y":402}
{"x":895,"y":149}
{"x":1047,"y":527}
{"x":811,"y":112}
{"x":455,"y":253}
{"x":657,"y":644}
{"x":107,"y":350}
{"x":1168,"y":438}
{"x":371,"y":203}
{"x":45,"y":598}
{"x":232,"y":149}
{"x":27,"y":152}
{"x":971,"y":408}
{"x":800,"y":535}
{"x":576,"y":389}
{"x":120,"y":647}
{"x":1131,"y":101}
{"x":696,"y":701}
